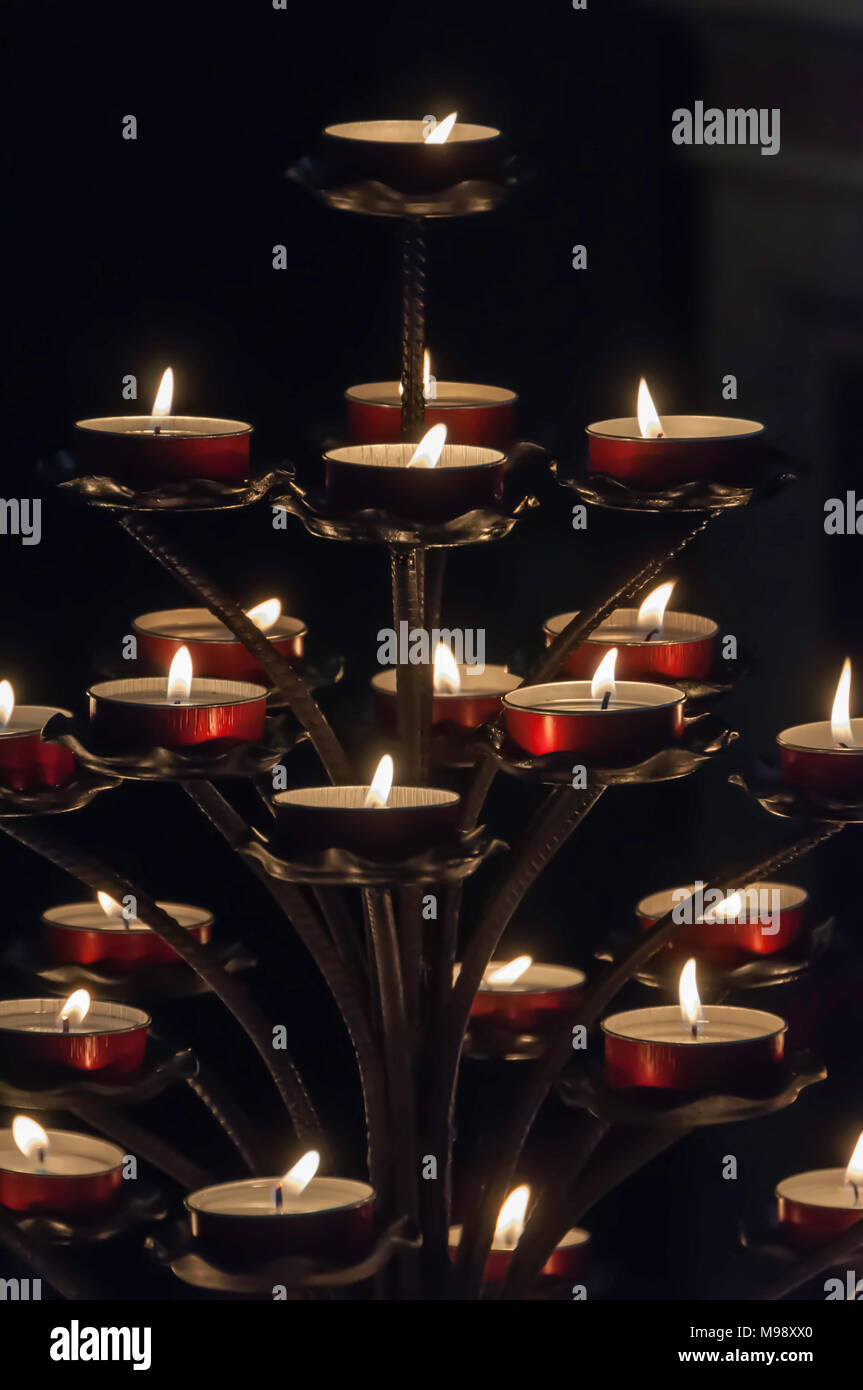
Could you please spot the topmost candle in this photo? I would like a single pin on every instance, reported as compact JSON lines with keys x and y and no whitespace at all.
{"x":415,"y":156}
{"x":649,"y":451}
{"x":145,"y":450}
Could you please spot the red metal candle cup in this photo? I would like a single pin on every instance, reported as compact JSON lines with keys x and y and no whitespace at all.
{"x":561,"y":716}
{"x":396,"y":153}
{"x":568,"y":1260}
{"x":136,"y":712}
{"x":381,"y":475}
{"x":237,"y":1224}
{"x":214,"y":651}
{"x":809,"y":760}
{"x":110,"y":1040}
{"x":477,"y":702}
{"x":82,"y":1176}
{"x":481,"y":415}
{"x":770,"y":917}
{"x":815,"y":1207}
{"x":312,"y":819}
{"x":82,"y":934}
{"x":531,"y":1004}
{"x":127,"y":448}
{"x":738,"y":1051}
{"x":683,"y":650}
{"x":691,"y":447}
{"x":27,"y":761}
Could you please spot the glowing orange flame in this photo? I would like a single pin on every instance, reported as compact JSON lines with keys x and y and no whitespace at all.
{"x":446,"y":676}
{"x":510,"y":1221}
{"x":378,"y":793}
{"x":265,"y":614}
{"x":603,"y":677}
{"x":648,"y":421}
{"x":439,"y":134}
{"x":509,"y":973}
{"x":7,"y":702}
{"x":430,"y":448}
{"x":165,"y":394}
{"x":180,"y":676}
{"x":841,"y":732}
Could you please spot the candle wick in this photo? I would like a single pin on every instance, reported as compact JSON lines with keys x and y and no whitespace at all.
{"x":157,"y":429}
{"x":695,"y":1031}
{"x":40,"y":1160}
{"x":278,"y":1197}
{"x":605,"y":699}
{"x":856,"y":1190}
{"x":64,"y":1025}
{"x":654,"y":632}
{"x":660,"y":435}
{"x":840,"y":744}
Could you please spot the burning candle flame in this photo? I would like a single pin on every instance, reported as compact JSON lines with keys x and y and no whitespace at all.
{"x":439,"y":134}
{"x":841,"y":732}
{"x":165,"y":394}
{"x":7,"y":702}
{"x":430,"y":448}
{"x":446,"y":676}
{"x":379,"y":789}
{"x":265,"y":614}
{"x":603,"y":685}
{"x":109,"y":905}
{"x":728,"y":909}
{"x":690,"y":1000}
{"x":297,"y":1179}
{"x":426,"y":374}
{"x":854,"y":1171}
{"x":509,"y":973}
{"x":648,"y":421}
{"x":75,"y":1009}
{"x":31,"y":1139}
{"x":510,"y":1221}
{"x":180,"y":676}
{"x":651,"y":614}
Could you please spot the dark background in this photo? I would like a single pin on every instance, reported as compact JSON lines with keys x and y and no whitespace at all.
{"x":123,"y":257}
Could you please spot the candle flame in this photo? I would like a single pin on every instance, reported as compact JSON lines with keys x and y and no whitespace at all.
{"x":509,"y":973}
{"x":841,"y":733}
{"x":426,"y":373}
{"x":297,"y":1179}
{"x":109,"y":905}
{"x":76,"y":1008}
{"x":651,"y":614}
{"x":854,"y":1171}
{"x":379,"y":789}
{"x":430,"y":448}
{"x":180,"y":676}
{"x":690,"y":1000}
{"x":439,"y":134}
{"x":603,"y":677}
{"x":726,"y":911}
{"x":446,"y":676}
{"x":648,"y":421}
{"x":30,"y":1138}
{"x":165,"y":394}
{"x":7,"y":702}
{"x":510,"y":1221}
{"x":265,"y":614}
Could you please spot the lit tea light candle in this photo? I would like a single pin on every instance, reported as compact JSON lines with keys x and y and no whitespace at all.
{"x":826,"y":757}
{"x":651,"y":642}
{"x":610,"y":722}
{"x":380,"y":820}
{"x":523,"y":995}
{"x":483,"y":415}
{"x":415,"y":156}
{"x":816,"y":1206}
{"x":178,"y":710}
{"x":57,"y":1173}
{"x":27,"y":761}
{"x":649,"y":451}
{"x":239,"y":1224}
{"x":432,"y":481}
{"x":146,"y":450}
{"x":760,"y":919}
{"x":465,"y":696}
{"x":44,"y":1036}
{"x":694,"y":1047}
{"x":213,"y":648}
{"x":567,"y":1259}
{"x":104,"y":932}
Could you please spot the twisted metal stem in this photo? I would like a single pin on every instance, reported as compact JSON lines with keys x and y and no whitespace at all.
{"x":413,"y":268}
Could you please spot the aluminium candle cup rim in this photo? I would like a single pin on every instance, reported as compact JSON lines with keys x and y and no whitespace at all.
{"x":495,"y":396}
{"x":614,"y":429}
{"x":240,"y":693}
{"x":124,"y":425}
{"x":398,"y":457}
{"x":827,"y":1175}
{"x":550,"y":698}
{"x":204,"y":919}
{"x":135,"y":1018}
{"x":375,"y":132}
{"x":326,"y":799}
{"x":786,"y":739}
{"x":673,"y":1010}
{"x":702,"y":628}
{"x":384,"y":682}
{"x":792,"y":896}
{"x":361,"y":1194}
{"x":296,"y":628}
{"x":571,"y":978}
{"x":85,"y":1146}
{"x":48,"y":710}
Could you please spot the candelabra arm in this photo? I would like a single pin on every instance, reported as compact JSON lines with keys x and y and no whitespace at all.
{"x":61,"y":1270}
{"x":413,"y":268}
{"x":829,"y":1256}
{"x":134,"y":1139}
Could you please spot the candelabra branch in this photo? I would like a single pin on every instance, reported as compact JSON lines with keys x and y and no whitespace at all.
{"x":230,"y":991}
{"x":61,"y":1271}
{"x":849,"y":1242}
{"x":413,"y":268}
{"x":286,"y":680}
{"x":413,"y":679}
{"x":133,"y":1138}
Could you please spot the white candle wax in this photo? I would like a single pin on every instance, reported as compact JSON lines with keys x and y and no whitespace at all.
{"x":90,"y":917}
{"x":256,"y":1197}
{"x":678,"y":427}
{"x":720,"y":1023}
{"x":490,"y":681}
{"x":822,"y":1187}
{"x":536,"y":979}
{"x":622,"y":628}
{"x":199,"y":625}
{"x":152,"y":691}
{"x":43,"y":1016}
{"x":68,"y":1155}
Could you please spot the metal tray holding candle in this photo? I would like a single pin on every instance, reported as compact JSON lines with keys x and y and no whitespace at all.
{"x":48,"y":801}
{"x":587,"y":1090}
{"x":151,"y":1081}
{"x":27,"y":959}
{"x":138,"y":1204}
{"x":208,"y":760}
{"x":326,"y":181}
{"x":443,"y":863}
{"x":186,"y":495}
{"x":766,"y":786}
{"x":699,"y":495}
